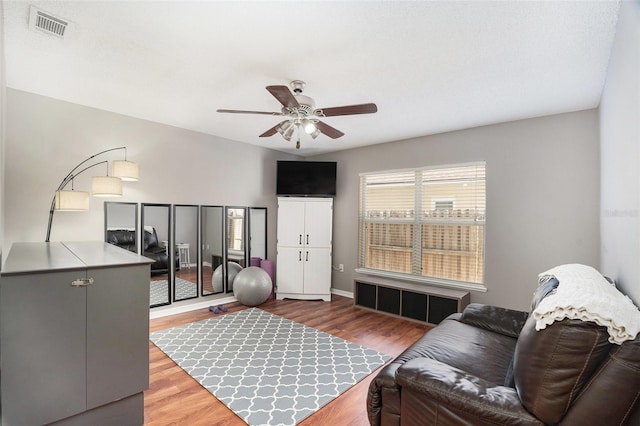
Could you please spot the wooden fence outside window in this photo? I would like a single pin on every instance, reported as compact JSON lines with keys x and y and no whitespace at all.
{"x":452,"y":243}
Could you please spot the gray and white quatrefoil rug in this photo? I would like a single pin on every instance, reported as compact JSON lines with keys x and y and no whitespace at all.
{"x":265,"y":368}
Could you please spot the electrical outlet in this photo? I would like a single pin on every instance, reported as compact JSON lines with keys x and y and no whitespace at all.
{"x":341,"y":267}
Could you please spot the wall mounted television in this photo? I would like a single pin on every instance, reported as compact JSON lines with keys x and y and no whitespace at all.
{"x":306,"y":178}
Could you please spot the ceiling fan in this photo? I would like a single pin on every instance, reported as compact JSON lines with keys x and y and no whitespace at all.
{"x":303,"y":114}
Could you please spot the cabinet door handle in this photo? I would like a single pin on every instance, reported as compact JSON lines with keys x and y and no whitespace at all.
{"x":307,"y":256}
{"x":307,"y":239}
{"x":300,"y":239}
{"x":300,"y":255}
{"x":82,"y":282}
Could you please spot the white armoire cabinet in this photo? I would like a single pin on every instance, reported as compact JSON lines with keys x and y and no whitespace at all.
{"x":303,"y":267}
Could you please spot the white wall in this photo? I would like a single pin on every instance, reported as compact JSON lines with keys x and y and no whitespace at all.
{"x":2,"y":129}
{"x":620,"y":156}
{"x":542,"y":197}
{"x":46,"y":138}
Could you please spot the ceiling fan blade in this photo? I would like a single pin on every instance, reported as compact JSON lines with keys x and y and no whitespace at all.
{"x":332,"y":132}
{"x":272,"y":131}
{"x":240,"y":111}
{"x":348,"y":110}
{"x":284,"y":96}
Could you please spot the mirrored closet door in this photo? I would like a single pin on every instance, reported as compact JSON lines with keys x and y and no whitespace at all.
{"x":156,"y":244}
{"x":212,"y":245}
{"x":185,"y":228}
{"x":258,"y":232}
{"x":121,"y":225}
{"x":236,"y":247}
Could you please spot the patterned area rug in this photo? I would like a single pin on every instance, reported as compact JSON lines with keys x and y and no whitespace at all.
{"x":159,"y":294}
{"x":265,"y":368}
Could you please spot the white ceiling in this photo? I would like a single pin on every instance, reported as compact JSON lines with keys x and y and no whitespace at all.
{"x":431,"y":67}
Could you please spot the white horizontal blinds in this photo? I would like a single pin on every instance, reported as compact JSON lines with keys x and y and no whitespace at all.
{"x":426,"y":222}
{"x":387,"y":212}
{"x":453,"y":219}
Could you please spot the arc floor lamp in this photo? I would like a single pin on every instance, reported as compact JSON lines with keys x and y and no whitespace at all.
{"x":101,"y":186}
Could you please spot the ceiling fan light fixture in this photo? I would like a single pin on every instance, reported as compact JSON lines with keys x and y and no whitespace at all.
{"x":284,"y":127}
{"x":289,"y":132}
{"x":315,"y":133}
{"x":308,"y":126}
{"x":301,"y":113}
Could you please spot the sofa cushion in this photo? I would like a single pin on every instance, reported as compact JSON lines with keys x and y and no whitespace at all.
{"x":462,"y":346}
{"x":551,"y":366}
{"x":480,"y":352}
{"x":436,"y":393}
{"x":150,"y":239}
{"x":121,"y":237}
{"x":494,"y":318}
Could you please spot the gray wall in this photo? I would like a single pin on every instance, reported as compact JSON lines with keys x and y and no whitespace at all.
{"x":620,"y":152}
{"x":46,"y":138}
{"x":542,"y":197}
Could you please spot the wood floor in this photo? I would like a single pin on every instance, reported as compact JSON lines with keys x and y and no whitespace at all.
{"x":174,"y":398}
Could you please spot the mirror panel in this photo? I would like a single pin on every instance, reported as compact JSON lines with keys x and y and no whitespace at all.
{"x":236,"y":252}
{"x":257,"y":233}
{"x":121,"y":225}
{"x":211,"y":235}
{"x":155,"y":244}
{"x":185,"y":229}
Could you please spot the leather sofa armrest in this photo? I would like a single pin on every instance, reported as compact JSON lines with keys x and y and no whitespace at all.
{"x":464,"y":393}
{"x":493,"y":318}
{"x":385,"y":380}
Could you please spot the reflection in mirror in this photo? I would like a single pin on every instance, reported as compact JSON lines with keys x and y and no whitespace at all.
{"x":185,"y":228}
{"x":120,"y":225}
{"x":155,"y":245}
{"x":258,"y":233}
{"x":212,"y":228}
{"x":235,"y":237}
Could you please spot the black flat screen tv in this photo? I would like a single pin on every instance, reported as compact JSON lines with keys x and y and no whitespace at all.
{"x":306,"y":178}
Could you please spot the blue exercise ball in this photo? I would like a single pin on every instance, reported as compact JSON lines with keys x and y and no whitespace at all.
{"x":216,"y":279}
{"x":252,"y":286}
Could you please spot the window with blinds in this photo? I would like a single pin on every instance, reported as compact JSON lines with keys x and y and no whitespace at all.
{"x":427,"y":222}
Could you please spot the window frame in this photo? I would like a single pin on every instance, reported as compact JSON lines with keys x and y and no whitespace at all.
{"x":417,"y":222}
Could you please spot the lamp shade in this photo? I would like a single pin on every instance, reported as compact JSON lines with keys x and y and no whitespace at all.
{"x":125,"y":170}
{"x":106,"y":186}
{"x":71,"y":200}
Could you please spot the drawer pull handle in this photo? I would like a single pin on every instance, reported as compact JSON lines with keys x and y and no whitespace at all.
{"x":82,"y":282}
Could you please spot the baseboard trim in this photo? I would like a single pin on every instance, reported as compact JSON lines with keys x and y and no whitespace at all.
{"x":166,"y":311}
{"x":342,"y":293}
{"x":172,"y":310}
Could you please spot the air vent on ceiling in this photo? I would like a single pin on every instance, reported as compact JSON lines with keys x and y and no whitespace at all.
{"x":45,"y":22}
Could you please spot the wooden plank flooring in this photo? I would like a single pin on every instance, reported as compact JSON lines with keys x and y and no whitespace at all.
{"x":175,"y":398}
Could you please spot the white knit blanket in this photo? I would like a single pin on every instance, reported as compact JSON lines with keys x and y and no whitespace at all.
{"x":584,"y":294}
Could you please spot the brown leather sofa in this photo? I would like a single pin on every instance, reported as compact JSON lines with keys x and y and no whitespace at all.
{"x":489,"y":366}
{"x":126,"y":239}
